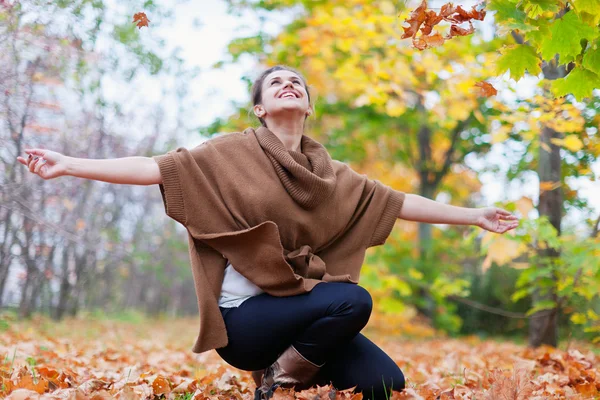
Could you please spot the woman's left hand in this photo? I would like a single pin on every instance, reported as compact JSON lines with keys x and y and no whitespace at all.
{"x":496,"y":220}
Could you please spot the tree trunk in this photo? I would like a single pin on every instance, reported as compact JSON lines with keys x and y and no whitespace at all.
{"x":6,"y":253}
{"x":65,"y":286}
{"x":543,"y":326}
{"x":426,"y":190}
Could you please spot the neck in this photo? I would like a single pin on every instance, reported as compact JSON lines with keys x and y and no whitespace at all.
{"x":288,"y":131}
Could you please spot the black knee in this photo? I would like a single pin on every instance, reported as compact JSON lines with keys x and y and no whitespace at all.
{"x":356,"y":303}
{"x":362,"y":303}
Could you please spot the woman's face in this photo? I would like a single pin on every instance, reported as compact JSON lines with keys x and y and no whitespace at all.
{"x":282,"y":93}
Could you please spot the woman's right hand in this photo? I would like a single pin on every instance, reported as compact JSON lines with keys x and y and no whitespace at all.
{"x":47,"y":164}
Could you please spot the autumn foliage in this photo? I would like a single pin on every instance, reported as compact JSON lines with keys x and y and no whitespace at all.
{"x":82,"y":359}
{"x":423,"y":19}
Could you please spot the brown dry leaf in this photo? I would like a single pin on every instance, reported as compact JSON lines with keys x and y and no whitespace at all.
{"x":424,"y":20}
{"x":456,"y":30}
{"x":188,"y":385}
{"x":517,"y":387}
{"x":129,"y":363}
{"x":416,"y":18}
{"x":23,"y":394}
{"x":587,"y":389}
{"x":141,"y":19}
{"x":27,"y":382}
{"x":161,"y":385}
{"x":93,"y":385}
{"x":425,"y":42}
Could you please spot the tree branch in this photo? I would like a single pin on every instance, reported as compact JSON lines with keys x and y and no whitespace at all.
{"x":439,"y":175}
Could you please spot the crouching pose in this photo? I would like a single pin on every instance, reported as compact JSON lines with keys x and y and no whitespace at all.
{"x":277,"y":236}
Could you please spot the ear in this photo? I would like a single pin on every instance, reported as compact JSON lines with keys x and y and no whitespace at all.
{"x":259,"y":111}
{"x":309,"y":111}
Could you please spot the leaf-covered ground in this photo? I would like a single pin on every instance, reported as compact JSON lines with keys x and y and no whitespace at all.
{"x":101,"y":359}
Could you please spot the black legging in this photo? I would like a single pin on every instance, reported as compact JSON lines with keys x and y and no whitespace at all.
{"x":323,"y":325}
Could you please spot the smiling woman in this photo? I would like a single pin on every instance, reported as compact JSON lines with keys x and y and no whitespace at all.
{"x":278,"y":232}
{"x":270,"y":88}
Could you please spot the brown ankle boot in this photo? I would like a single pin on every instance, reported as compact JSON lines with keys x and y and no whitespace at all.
{"x":291,"y":369}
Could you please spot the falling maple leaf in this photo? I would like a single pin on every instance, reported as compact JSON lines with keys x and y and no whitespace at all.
{"x":548,"y":186}
{"x":141,"y":19}
{"x":424,"y":20}
{"x":486,"y":89}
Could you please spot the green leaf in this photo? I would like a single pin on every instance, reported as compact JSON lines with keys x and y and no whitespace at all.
{"x":536,"y":36}
{"x":591,"y":59}
{"x":506,"y":10}
{"x":246,"y":45}
{"x":565,"y":40}
{"x":589,"y":10}
{"x":580,"y":82}
{"x":592,"y":329}
{"x":520,"y":294}
{"x":518,"y":58}
{"x":578,"y":318}
{"x":509,"y":16}
{"x":390,"y":305}
{"x":535,"y":8}
{"x":393,"y":282}
{"x":542,"y":305}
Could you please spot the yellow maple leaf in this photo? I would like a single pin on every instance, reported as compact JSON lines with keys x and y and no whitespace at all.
{"x":524,"y":205}
{"x":573,"y":143}
{"x":500,"y":249}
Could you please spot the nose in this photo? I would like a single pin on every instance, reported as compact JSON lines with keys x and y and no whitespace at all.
{"x":288,"y":84}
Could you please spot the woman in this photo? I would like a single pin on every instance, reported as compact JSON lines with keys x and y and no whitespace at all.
{"x":272,"y":203}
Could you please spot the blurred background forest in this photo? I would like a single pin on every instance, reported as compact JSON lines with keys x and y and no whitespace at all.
{"x":78,"y":77}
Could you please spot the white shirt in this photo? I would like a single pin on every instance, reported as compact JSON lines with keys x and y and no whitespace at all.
{"x":236,"y":288}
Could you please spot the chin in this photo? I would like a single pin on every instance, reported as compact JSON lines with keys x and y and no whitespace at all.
{"x":289,"y":110}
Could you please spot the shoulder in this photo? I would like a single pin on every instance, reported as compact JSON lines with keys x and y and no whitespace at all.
{"x":225,"y":140}
{"x":340,"y":167}
{"x":344,"y":170}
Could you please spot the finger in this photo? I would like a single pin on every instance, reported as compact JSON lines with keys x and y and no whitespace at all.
{"x":33,"y":163}
{"x":502,"y":229}
{"x":504,"y":213}
{"x":510,"y":227}
{"x":505,"y":226}
{"x":38,"y":166}
{"x":509,"y":224}
{"x":35,"y":152}
{"x":25,"y":160}
{"x":22,"y":160}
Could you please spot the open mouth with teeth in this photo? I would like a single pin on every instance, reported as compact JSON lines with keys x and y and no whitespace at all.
{"x":288,"y":95}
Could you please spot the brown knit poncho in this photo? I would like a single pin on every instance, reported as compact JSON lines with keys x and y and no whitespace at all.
{"x":286,"y":220}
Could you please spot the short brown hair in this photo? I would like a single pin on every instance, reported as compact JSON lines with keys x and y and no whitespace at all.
{"x":257,"y":86}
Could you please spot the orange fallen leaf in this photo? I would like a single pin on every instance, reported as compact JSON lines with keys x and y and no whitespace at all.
{"x":161,"y":385}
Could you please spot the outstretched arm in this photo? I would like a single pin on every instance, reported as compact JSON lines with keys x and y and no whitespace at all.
{"x":420,"y":209}
{"x":48,"y":164}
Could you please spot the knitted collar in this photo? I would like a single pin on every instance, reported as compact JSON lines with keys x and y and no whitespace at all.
{"x":308,"y":175}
